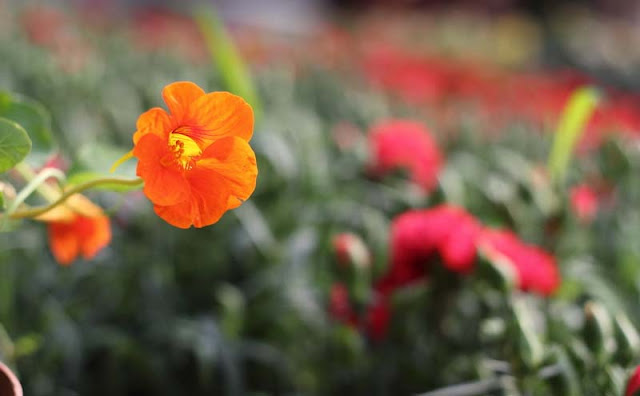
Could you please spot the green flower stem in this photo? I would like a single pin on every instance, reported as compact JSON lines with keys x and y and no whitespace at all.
{"x":36,"y":182}
{"x":34,"y":212}
{"x":45,"y":190}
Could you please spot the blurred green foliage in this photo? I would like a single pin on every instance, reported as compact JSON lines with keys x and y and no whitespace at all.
{"x":241,"y":307}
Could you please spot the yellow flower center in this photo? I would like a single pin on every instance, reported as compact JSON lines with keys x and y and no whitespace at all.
{"x":184,"y":150}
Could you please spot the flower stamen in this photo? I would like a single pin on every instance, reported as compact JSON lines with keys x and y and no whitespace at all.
{"x":184,"y":151}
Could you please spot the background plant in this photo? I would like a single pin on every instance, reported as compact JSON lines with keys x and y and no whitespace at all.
{"x":246,"y":306}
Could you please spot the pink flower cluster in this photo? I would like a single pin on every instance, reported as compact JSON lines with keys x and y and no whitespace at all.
{"x":496,"y":96}
{"x":451,"y":236}
{"x":401,"y":144}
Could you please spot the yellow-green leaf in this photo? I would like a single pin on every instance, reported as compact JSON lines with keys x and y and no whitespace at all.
{"x":572,"y":123}
{"x":233,"y":70}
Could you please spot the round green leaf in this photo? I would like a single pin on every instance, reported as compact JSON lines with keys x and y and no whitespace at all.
{"x":14,"y":144}
{"x":31,"y":115}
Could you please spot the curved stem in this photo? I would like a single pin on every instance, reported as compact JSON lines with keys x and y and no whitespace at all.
{"x":30,"y":213}
{"x":35,"y":184}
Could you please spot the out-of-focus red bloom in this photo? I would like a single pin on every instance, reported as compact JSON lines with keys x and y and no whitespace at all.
{"x":536,"y":269}
{"x":377,"y":319}
{"x":633,"y":386}
{"x":351,"y":250}
{"x":584,"y":202}
{"x":55,"y":160}
{"x":405,"y":144}
{"x":414,"y":79}
{"x":339,"y":305}
{"x":76,"y":228}
{"x":157,"y":29}
{"x":540,"y":98}
{"x":50,"y":28}
{"x":625,"y":114}
{"x":417,"y":235}
{"x":44,"y":25}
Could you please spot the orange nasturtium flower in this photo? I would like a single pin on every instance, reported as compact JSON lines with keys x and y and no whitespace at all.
{"x":195,"y":160}
{"x":76,"y":227}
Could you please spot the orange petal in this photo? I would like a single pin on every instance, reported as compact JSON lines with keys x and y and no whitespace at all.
{"x":179,"y":96}
{"x":77,"y":204}
{"x":234,"y":160}
{"x":219,"y":114}
{"x":60,"y":214}
{"x":178,"y":215}
{"x":163,"y":185}
{"x":154,"y":121}
{"x":96,"y":237}
{"x":233,"y":203}
{"x":208,"y":202}
{"x":209,"y":197}
{"x":83,"y":206}
{"x":64,"y":243}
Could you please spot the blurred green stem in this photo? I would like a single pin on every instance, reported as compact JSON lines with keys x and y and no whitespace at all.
{"x":30,"y":213}
{"x":35,"y":182}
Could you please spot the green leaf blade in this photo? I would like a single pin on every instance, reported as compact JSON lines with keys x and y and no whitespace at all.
{"x":573,"y":121}
{"x":232,"y":68}
{"x":15,"y":144}
{"x":31,"y":115}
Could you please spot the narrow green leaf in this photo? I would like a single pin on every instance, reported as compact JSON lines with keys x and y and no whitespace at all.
{"x":627,"y":337}
{"x":566,"y":383}
{"x":31,"y":115}
{"x":529,"y":342}
{"x":599,"y":329}
{"x":574,"y":118}
{"x":232,"y":69}
{"x":497,"y":270}
{"x":14,"y":144}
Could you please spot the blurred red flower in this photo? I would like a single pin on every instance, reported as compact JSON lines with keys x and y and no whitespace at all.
{"x":633,"y":385}
{"x":406,"y":144}
{"x":584,"y":202}
{"x":413,"y":78}
{"x":339,"y":305}
{"x":418,"y":235}
{"x":536,"y":269}
{"x":377,"y":319}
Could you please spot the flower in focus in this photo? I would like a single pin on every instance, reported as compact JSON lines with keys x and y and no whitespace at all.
{"x":76,"y":228}
{"x":406,"y":144}
{"x":535,"y":269}
{"x":584,"y":202}
{"x":195,"y":160}
{"x":633,"y":386}
{"x":351,"y":250}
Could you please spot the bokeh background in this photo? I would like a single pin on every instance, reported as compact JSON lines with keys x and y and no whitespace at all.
{"x":274,"y":299}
